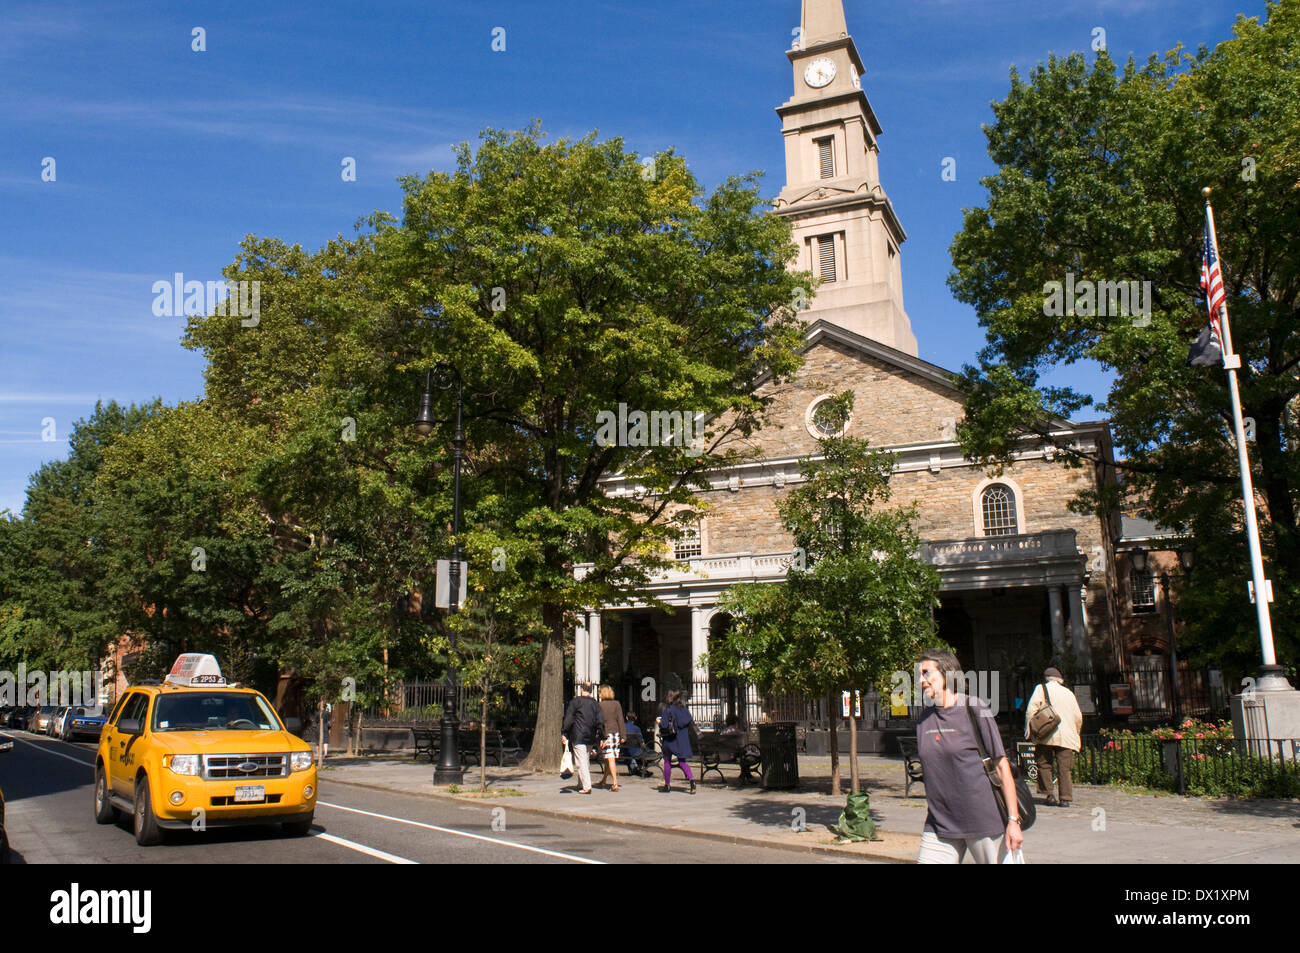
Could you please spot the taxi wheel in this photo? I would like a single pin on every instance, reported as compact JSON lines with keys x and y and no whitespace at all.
{"x":298,"y":828}
{"x":147,"y":831}
{"x":105,"y":813}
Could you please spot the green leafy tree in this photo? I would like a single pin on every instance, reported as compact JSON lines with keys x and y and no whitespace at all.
{"x":857,"y":602}
{"x":563,"y":281}
{"x":1100,"y":176}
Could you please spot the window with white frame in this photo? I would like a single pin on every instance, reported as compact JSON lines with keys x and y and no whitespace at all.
{"x":687,"y":546}
{"x":1142,"y":586}
{"x":998,"y":503}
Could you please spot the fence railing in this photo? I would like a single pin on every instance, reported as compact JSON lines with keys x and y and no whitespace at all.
{"x":1222,"y":766}
{"x":1145,"y":694}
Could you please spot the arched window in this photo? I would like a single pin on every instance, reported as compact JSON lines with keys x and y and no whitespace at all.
{"x":999,"y":506}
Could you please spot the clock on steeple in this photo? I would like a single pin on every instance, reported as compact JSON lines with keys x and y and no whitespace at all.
{"x":843,"y":223}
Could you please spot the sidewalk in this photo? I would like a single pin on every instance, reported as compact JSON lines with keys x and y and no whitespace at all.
{"x":1103,"y":825}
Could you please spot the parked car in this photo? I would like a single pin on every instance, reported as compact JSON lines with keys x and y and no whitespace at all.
{"x":43,"y":720}
{"x":6,"y":744}
{"x":79,"y":723}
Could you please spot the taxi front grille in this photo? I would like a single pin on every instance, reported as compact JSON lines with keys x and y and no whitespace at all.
{"x":238,"y":766}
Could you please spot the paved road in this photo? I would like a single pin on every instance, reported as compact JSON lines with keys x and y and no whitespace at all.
{"x":48,"y":788}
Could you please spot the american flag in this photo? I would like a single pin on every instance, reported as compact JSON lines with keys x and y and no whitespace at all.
{"x":1212,"y":279}
{"x":1208,"y":347}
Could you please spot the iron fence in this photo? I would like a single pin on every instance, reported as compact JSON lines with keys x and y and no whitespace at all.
{"x":1207,"y":766}
{"x":414,"y":701}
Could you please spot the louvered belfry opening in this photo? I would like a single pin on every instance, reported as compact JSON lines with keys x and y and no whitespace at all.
{"x":826,"y":157}
{"x":826,"y":257}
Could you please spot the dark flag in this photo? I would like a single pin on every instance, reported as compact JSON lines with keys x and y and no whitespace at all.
{"x":1207,"y":349}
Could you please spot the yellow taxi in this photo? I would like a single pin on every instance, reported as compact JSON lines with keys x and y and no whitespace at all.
{"x":197,"y":752}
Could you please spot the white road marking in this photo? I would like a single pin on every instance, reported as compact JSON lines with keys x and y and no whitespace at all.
{"x":451,"y":830}
{"x":57,"y":754}
{"x":362,"y":848}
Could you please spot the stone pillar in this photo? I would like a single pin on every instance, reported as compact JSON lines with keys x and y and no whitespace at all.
{"x":1078,"y":632}
{"x":1058,"y":621}
{"x":699,"y":641}
{"x":593,"y":646}
{"x":580,"y":649}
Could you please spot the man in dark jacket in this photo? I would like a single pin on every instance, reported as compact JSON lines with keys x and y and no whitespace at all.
{"x":584,"y":726}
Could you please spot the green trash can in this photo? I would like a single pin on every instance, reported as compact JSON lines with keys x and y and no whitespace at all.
{"x":780,"y":755}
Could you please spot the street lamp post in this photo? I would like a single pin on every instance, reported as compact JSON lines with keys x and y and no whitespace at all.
{"x":449,"y":770}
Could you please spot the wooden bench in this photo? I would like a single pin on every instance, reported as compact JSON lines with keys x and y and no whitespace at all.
{"x":912,"y":773}
{"x":717,"y":750}
{"x":427,"y":741}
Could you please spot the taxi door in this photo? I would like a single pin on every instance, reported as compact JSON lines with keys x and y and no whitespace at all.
{"x":120,"y":761}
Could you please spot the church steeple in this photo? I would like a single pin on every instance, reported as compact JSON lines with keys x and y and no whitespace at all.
{"x":822,"y":20}
{"x":844,"y":225}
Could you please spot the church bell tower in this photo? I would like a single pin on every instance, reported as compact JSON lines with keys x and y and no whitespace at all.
{"x":843,"y":223}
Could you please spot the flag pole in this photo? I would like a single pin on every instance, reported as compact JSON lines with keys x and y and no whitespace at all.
{"x":1271,"y":670}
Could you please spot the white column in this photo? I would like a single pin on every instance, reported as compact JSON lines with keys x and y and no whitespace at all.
{"x":593,"y":646}
{"x":1078,"y":633}
{"x":699,"y":641}
{"x":580,"y":652}
{"x":1058,"y":621}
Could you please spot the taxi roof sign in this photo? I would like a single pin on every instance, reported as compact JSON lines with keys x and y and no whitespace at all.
{"x":194,"y":668}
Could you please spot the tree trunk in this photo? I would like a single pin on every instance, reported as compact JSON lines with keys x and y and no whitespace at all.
{"x":854,"y":787}
{"x":544,"y":756}
{"x":832,"y":700}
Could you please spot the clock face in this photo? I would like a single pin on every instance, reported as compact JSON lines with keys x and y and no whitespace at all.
{"x":819,"y":72}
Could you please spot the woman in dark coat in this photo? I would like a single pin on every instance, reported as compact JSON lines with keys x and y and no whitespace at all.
{"x":679,"y":745}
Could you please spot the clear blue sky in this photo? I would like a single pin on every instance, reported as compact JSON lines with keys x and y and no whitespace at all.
{"x":165,"y":157}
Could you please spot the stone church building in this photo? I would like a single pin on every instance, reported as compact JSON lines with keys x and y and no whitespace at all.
{"x":1023,"y":579}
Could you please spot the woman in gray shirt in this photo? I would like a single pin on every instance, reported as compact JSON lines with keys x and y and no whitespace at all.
{"x":963,"y":815}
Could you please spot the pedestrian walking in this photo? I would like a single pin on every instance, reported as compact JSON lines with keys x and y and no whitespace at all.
{"x":1054,"y":751}
{"x":609,"y":748}
{"x":584,"y":726}
{"x":963,"y":814}
{"x":675,"y":725}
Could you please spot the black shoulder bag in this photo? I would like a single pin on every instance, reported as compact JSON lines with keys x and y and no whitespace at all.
{"x":1025,"y":808}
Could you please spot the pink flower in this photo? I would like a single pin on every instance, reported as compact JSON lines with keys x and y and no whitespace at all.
{"x":1178,"y":736}
{"x":1187,"y":723}
{"x":1200,"y":734}
{"x":1210,"y":728}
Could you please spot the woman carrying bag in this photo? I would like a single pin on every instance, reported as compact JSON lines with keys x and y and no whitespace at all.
{"x":955,"y":735}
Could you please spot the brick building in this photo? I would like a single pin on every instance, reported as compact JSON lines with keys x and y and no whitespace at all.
{"x":1023,"y":578}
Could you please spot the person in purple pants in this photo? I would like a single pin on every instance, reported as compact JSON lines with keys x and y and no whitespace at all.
{"x":675,"y":726}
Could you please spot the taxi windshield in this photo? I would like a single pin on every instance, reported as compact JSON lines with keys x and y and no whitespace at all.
{"x":213,"y":711}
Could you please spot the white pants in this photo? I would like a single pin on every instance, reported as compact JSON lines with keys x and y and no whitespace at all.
{"x":582,"y":762}
{"x":952,"y":850}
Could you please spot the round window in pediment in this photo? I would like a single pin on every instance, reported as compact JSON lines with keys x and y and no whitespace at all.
{"x":827,"y":418}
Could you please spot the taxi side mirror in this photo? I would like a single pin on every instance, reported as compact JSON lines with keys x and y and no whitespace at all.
{"x":293,"y":724}
{"x":129,"y":726}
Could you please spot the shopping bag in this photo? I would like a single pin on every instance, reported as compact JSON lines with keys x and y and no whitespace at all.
{"x":566,"y":763}
{"x":1016,"y":856}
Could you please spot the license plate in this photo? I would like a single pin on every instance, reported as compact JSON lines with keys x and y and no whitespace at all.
{"x":250,"y":792}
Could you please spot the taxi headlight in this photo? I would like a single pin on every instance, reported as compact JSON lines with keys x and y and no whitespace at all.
{"x":182,"y":763}
{"x":300,"y":760}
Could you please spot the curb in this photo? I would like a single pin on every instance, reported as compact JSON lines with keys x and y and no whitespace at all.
{"x":655,"y":828}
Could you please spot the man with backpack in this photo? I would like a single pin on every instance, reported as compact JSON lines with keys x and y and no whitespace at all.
{"x":584,"y":726}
